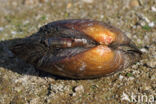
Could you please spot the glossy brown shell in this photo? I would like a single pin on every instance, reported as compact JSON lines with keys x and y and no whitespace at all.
{"x":78,"y":49}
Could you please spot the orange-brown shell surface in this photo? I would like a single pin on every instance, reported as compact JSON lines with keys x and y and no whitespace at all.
{"x":78,"y":49}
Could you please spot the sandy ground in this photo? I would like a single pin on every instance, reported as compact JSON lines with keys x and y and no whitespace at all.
{"x":21,"y":83}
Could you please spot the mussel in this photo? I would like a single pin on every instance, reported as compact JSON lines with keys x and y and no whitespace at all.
{"x":78,"y":49}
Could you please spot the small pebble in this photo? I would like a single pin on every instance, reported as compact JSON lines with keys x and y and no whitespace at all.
{"x":26,"y":22}
{"x":139,"y":41}
{"x":30,"y":2}
{"x":146,"y":19}
{"x":69,"y":5}
{"x":79,"y":88}
{"x":14,"y":3}
{"x":13,"y":32}
{"x":134,"y":3}
{"x":74,"y":94}
{"x":131,"y":78}
{"x":143,"y":50}
{"x":147,"y":87}
{"x":88,"y":1}
{"x":120,"y":77}
{"x":153,"y":9}
{"x":102,"y":16}
{"x":142,"y":17}
{"x":152,"y":64}
{"x":135,"y":66}
{"x":151,"y":24}
{"x":57,"y":88}
{"x":1,"y":29}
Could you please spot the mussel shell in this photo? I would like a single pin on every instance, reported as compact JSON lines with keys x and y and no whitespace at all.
{"x":78,"y":49}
